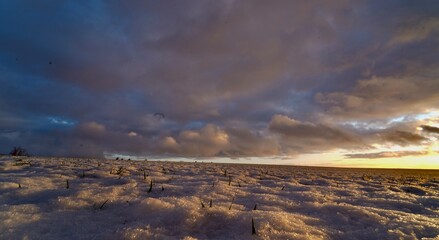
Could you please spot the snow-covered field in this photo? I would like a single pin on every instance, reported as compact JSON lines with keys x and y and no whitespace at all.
{"x":64,"y":198}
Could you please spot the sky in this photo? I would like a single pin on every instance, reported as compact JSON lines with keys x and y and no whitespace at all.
{"x":333,"y":83}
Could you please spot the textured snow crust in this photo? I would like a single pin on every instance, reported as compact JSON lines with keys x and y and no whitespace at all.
{"x":120,"y":199}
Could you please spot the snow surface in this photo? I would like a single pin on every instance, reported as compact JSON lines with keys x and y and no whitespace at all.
{"x":109,"y":199}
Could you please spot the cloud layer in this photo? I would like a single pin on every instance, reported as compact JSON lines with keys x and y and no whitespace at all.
{"x":232,"y":78}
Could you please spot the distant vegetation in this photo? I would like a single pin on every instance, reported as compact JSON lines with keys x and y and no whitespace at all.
{"x":18,"y":151}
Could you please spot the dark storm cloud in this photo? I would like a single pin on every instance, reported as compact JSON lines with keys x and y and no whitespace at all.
{"x":430,"y":129}
{"x":297,"y":137}
{"x":384,"y":97}
{"x":233,"y":78}
{"x":403,"y":133}
{"x":403,"y":137}
{"x":246,"y":143}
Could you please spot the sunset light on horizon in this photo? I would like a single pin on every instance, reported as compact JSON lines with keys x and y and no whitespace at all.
{"x":333,"y":84}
